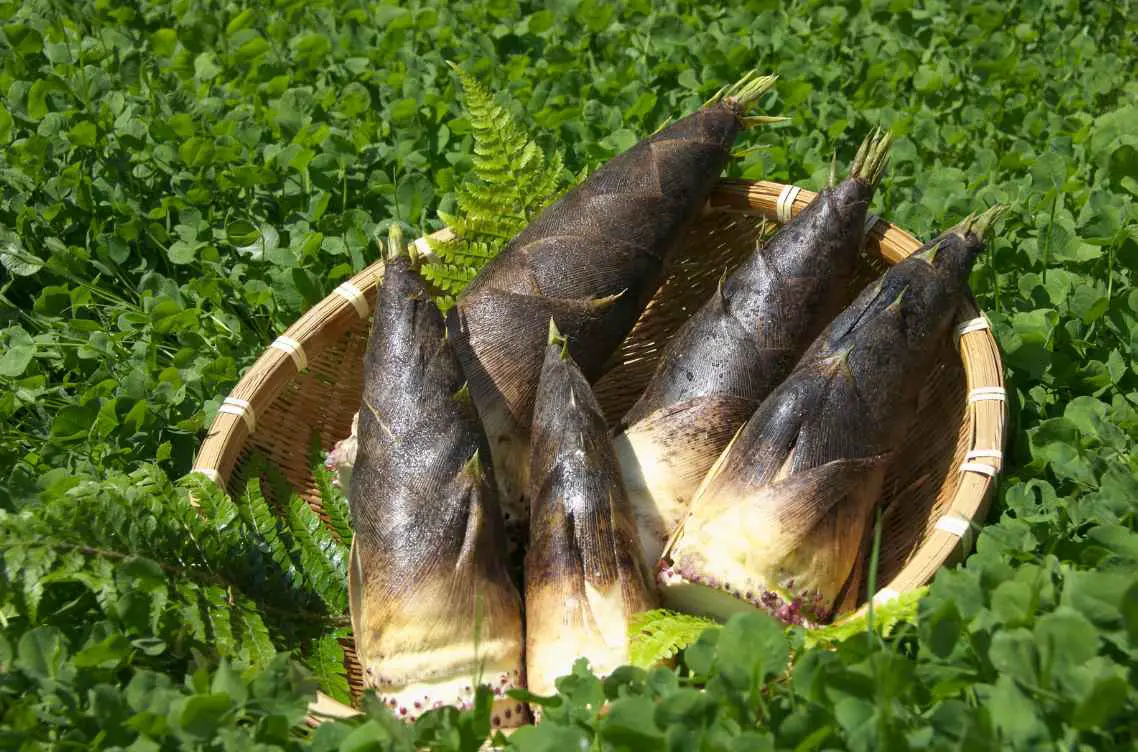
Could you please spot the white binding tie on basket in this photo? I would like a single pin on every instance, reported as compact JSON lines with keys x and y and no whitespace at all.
{"x":994,"y":454}
{"x":208,"y":472}
{"x":954,"y":524}
{"x":982,"y":468}
{"x":970,"y":465}
{"x":242,"y":409}
{"x":978,"y":324}
{"x":294,"y":349}
{"x":785,"y":203}
{"x":997,"y":393}
{"x":352,"y":294}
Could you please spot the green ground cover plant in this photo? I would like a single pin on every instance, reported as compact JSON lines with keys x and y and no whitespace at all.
{"x":179,"y":181}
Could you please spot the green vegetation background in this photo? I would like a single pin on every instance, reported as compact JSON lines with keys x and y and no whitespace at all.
{"x":179,"y":181}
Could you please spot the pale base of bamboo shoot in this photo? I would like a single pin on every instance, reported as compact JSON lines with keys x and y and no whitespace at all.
{"x":679,"y":594}
{"x":412,"y":700}
{"x":659,"y":500}
{"x":563,"y":629}
{"x":665,"y":458}
{"x":509,"y":453}
{"x":715,"y":598}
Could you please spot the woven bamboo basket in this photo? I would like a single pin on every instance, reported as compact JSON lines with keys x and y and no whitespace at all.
{"x":310,"y":380}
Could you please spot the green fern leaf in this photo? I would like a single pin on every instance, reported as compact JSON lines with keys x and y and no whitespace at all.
{"x":265,"y":524}
{"x":98,"y":574}
{"x":659,"y":634}
{"x":511,"y":181}
{"x":201,"y":573}
{"x":332,"y":498}
{"x":321,"y":562}
{"x":222,"y":620}
{"x":32,"y":564}
{"x":886,"y":617}
{"x":327,"y":663}
{"x":450,"y":278}
{"x":192,"y":613}
{"x":256,"y":640}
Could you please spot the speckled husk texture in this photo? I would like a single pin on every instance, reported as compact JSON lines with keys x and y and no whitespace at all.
{"x":590,"y":261}
{"x":738,"y":347}
{"x":782,"y":520}
{"x":584,"y":577}
{"x":431,"y":599}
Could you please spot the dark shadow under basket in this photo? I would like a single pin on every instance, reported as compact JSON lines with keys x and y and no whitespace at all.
{"x":310,"y":381}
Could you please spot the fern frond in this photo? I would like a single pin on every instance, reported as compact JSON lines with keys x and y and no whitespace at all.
{"x":319,"y":562}
{"x":332,"y":498}
{"x":256,"y":639}
{"x":659,"y":634}
{"x":327,"y":663}
{"x":449,"y":277}
{"x":182,"y":563}
{"x":224,"y":623}
{"x":322,"y":560}
{"x":265,"y":525}
{"x":189,"y":611}
{"x":886,"y":617}
{"x":512,"y":179}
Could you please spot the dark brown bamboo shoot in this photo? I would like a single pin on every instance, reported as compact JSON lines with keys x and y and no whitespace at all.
{"x":584,"y":576}
{"x":739,"y":346}
{"x":431,"y":599}
{"x":591,"y":261}
{"x":783,"y":517}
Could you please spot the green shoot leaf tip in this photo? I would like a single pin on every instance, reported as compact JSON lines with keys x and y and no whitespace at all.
{"x":396,"y":246}
{"x":752,"y":120}
{"x":979,"y":224}
{"x":746,"y":91}
{"x":473,"y":466}
{"x":558,"y":339}
{"x":872,"y":157}
{"x":896,"y":304}
{"x":929,"y":254}
{"x":984,"y":222}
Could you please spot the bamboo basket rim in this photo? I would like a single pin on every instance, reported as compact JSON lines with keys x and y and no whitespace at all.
{"x":288,"y":356}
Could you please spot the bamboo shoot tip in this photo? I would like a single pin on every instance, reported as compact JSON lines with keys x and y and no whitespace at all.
{"x":720,"y":295}
{"x":607,"y":300}
{"x":753,"y":120}
{"x":987,"y":219}
{"x":396,"y":247}
{"x":872,"y":156}
{"x":473,"y":466}
{"x":900,"y":296}
{"x":929,"y":254}
{"x":746,"y":91}
{"x":558,"y":339}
